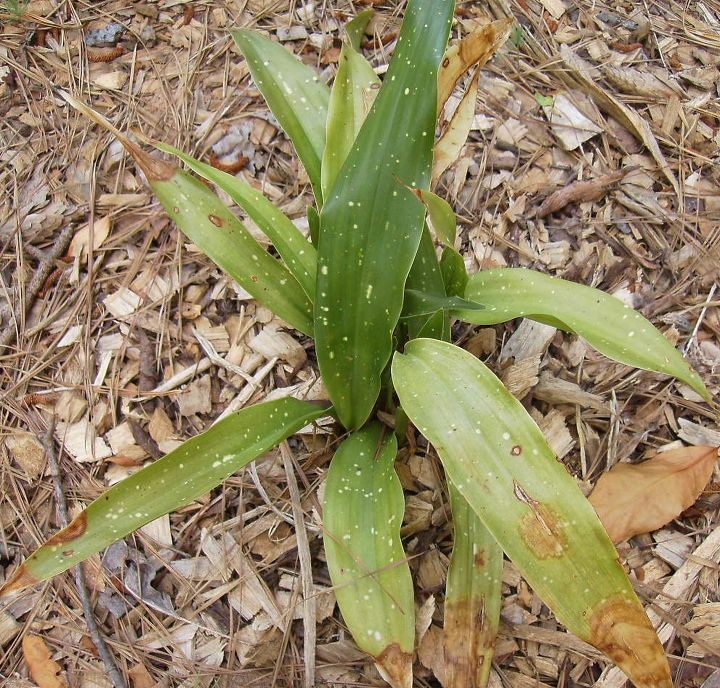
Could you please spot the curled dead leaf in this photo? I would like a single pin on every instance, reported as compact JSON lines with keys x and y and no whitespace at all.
{"x":46,"y":672}
{"x":638,"y":498}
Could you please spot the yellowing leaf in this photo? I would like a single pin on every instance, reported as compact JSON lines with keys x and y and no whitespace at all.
{"x":475,"y":49}
{"x":448,"y":146}
{"x":637,"y":498}
{"x":46,"y":672}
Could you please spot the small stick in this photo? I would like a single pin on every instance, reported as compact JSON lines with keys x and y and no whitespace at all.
{"x":110,"y":666}
{"x":46,"y":267}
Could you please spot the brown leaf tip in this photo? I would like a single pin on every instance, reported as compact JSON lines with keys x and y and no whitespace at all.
{"x":19,"y":580}
{"x":154,"y":169}
{"x":620,"y":628}
{"x":395,"y":666}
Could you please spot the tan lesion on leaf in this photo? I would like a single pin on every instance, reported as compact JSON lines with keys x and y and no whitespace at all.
{"x":469,"y":643}
{"x":395,"y":666}
{"x":542,"y":529}
{"x":620,"y":628}
{"x":71,"y":532}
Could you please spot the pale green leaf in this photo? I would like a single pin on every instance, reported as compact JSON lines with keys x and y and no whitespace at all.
{"x":362,"y":513}
{"x":297,"y":252}
{"x":608,"y":325}
{"x":499,"y":461}
{"x":294,"y":94}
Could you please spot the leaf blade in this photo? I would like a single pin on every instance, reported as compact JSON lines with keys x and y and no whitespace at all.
{"x":369,"y":222}
{"x":353,"y":93}
{"x":498,"y":459}
{"x":362,"y":513}
{"x":299,"y":255}
{"x":294,"y":94}
{"x":205,"y":461}
{"x":615,"y":330}
{"x":473,"y":598}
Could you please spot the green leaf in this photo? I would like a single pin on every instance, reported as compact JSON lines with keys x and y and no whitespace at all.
{"x":293,"y":93}
{"x":501,"y":464}
{"x":473,"y":598}
{"x":422,"y":303}
{"x":544,"y":101}
{"x":299,"y":254}
{"x":425,"y":276}
{"x":314,"y":224}
{"x":370,"y":226}
{"x":185,"y":474}
{"x":440,"y":215}
{"x":353,"y":93}
{"x":362,"y":513}
{"x":355,"y":28}
{"x":454,"y":272}
{"x":205,"y":220}
{"x":611,"y":327}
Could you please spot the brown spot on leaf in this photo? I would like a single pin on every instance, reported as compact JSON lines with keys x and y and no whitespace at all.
{"x":395,"y":666}
{"x":217,"y":221}
{"x":480,"y":559}
{"x":542,"y":528}
{"x":469,"y":643}
{"x":620,"y":628}
{"x":516,"y":450}
{"x":446,"y":62}
{"x":73,"y":531}
{"x":68,"y":552}
{"x":19,"y":580}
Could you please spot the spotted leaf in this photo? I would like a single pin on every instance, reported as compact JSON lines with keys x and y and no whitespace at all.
{"x":181,"y":476}
{"x":608,"y":325}
{"x":370,"y":226}
{"x":500,"y":463}
{"x":362,"y":513}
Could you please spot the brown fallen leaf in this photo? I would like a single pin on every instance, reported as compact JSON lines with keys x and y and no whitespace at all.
{"x":578,"y":192}
{"x":44,"y":670}
{"x":637,"y":498}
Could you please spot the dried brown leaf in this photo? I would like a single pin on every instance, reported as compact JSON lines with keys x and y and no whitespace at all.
{"x":637,"y":498}
{"x":475,"y":49}
{"x":44,"y":670}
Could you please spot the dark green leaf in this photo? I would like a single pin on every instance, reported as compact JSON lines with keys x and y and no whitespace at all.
{"x":370,"y":226}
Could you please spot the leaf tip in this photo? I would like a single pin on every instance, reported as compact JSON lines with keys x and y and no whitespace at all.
{"x":395,"y":666}
{"x":20,"y":579}
{"x":620,"y":628}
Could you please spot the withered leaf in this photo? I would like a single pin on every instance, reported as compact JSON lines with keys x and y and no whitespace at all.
{"x":637,"y":498}
{"x":46,"y":672}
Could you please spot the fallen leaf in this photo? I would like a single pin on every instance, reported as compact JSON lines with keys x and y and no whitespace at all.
{"x":44,"y":671}
{"x":448,"y":146}
{"x":637,"y":498}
